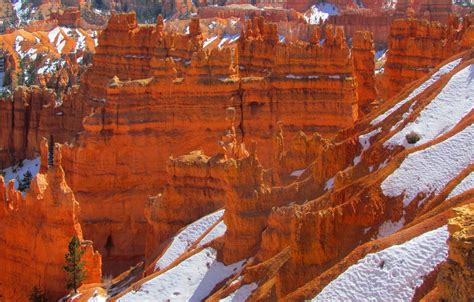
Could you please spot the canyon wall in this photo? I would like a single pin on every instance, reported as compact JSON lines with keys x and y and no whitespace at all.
{"x":416,"y":46}
{"x":365,"y":20}
{"x":455,"y":279}
{"x":35,"y":233}
{"x":156,"y":94}
{"x":244,"y":12}
{"x":32,"y":113}
{"x":196,"y":186}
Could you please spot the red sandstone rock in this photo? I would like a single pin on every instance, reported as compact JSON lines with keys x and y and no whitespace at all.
{"x":37,"y":230}
{"x":157,"y":93}
{"x":416,"y":46}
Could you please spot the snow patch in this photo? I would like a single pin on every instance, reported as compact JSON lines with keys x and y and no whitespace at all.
{"x":184,"y":239}
{"x":17,"y":172}
{"x":320,"y":12}
{"x":389,"y":227}
{"x":392,"y":274}
{"x":241,"y":294}
{"x":209,"y":41}
{"x":435,"y":77}
{"x":297,"y":173}
{"x":364,"y":141}
{"x":191,"y":280}
{"x":329,"y":184}
{"x":430,"y":169}
{"x":445,"y":111}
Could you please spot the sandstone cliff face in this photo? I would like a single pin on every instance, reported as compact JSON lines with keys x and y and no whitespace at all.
{"x":350,"y":208}
{"x":70,"y":17}
{"x":431,"y":10}
{"x":416,"y":46}
{"x":378,"y":23}
{"x":156,"y":94}
{"x":196,"y":187}
{"x":36,"y":231}
{"x":243,"y":11}
{"x":364,"y":65}
{"x":32,"y":113}
{"x":455,"y":279}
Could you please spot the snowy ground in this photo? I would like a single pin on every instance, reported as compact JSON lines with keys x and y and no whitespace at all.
{"x":435,"y":77}
{"x":320,"y":12}
{"x":390,"y":227}
{"x":455,"y":101}
{"x":466,"y":184}
{"x":430,"y":169}
{"x":364,"y":141}
{"x":241,"y":294}
{"x":185,"y":238}
{"x":392,"y":274}
{"x":17,"y":172}
{"x":191,"y":280}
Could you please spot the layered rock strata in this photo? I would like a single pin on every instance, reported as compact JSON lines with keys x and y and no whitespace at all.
{"x":156,"y":94}
{"x":35,"y":233}
{"x":196,"y":187}
{"x":32,"y":113}
{"x":416,"y":46}
{"x":456,"y":278}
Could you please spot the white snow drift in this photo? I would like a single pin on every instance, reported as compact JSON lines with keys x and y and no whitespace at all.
{"x":430,"y":169}
{"x":435,"y":77}
{"x":184,"y":239}
{"x":191,"y":280}
{"x":392,"y":274}
{"x":455,"y":101}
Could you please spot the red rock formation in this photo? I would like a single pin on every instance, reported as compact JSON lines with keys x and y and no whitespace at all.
{"x":36,"y":231}
{"x":364,"y":65}
{"x":365,"y":20}
{"x":431,"y":10}
{"x":196,"y":187}
{"x":31,"y":114}
{"x":244,"y":12}
{"x":157,"y":94}
{"x":455,"y":279}
{"x":416,"y":46}
{"x":70,"y":17}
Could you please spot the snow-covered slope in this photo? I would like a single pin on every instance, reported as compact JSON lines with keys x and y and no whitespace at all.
{"x":430,"y":169}
{"x":191,"y":280}
{"x":189,"y":235}
{"x":435,"y":77}
{"x":455,"y":100}
{"x":392,"y":274}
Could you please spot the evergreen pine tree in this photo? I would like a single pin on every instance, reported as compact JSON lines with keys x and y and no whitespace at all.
{"x":74,"y":267}
{"x":24,"y":184}
{"x":37,"y":295}
{"x":51,"y":151}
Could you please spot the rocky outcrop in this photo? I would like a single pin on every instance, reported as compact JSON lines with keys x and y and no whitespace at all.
{"x":456,"y":279}
{"x":196,"y":187}
{"x":365,"y":20}
{"x":416,"y":46}
{"x":364,"y":65}
{"x":35,"y":233}
{"x":431,"y":10}
{"x":32,"y":113}
{"x":157,"y":93}
{"x":70,"y":17}
{"x":244,"y":12}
